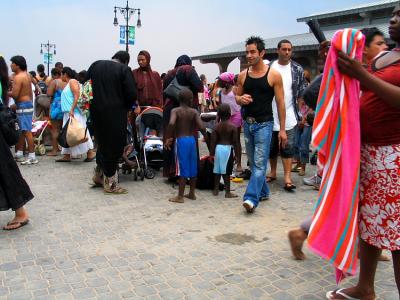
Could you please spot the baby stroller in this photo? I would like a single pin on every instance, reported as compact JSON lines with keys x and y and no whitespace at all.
{"x":149,"y":128}
{"x":38,"y":128}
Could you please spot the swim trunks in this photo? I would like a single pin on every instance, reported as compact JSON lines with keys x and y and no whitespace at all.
{"x":186,"y":156}
{"x":223,"y":161}
{"x":24,"y":115}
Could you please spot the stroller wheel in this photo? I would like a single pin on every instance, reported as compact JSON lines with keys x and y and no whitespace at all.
{"x":149,"y":173}
{"x":135,"y":174}
{"x":140,"y":173}
{"x":42,"y":149}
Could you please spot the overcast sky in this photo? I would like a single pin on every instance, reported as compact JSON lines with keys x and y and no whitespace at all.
{"x":83,"y":29}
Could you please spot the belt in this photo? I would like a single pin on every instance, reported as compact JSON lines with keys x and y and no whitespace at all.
{"x":252,"y":120}
{"x":24,"y":110}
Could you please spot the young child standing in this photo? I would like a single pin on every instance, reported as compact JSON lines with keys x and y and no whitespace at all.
{"x":223,"y":138}
{"x":183,"y":122}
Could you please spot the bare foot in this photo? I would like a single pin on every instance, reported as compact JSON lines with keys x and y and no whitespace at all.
{"x":383,"y":257}
{"x":215,"y":192}
{"x":52,"y":153}
{"x":230,"y":195}
{"x":177,"y":199}
{"x":190,"y":196}
{"x":296,"y":239}
{"x":353,"y":292}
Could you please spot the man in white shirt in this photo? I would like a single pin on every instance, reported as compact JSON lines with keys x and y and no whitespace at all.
{"x":294,"y":84}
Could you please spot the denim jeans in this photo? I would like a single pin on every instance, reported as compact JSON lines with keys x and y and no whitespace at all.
{"x":302,"y":144}
{"x":257,"y":138}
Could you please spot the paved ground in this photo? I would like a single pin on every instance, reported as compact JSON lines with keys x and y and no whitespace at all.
{"x":82,"y":244}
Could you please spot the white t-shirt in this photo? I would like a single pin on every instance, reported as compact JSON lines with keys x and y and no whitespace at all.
{"x":286,"y":73}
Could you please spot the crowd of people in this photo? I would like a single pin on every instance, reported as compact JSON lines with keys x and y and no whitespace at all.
{"x":266,"y":101}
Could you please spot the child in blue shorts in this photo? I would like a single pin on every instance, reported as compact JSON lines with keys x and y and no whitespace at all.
{"x":182,"y":125}
{"x":223,"y":139}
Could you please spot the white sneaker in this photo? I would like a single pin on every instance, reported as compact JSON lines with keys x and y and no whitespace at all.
{"x":19,"y":158}
{"x":249,"y":206}
{"x":30,"y":161}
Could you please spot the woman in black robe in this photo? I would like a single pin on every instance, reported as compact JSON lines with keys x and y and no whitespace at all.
{"x":14,"y":191}
{"x":114,"y":93}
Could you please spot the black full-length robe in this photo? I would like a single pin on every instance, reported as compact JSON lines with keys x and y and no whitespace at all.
{"x":114,"y":93}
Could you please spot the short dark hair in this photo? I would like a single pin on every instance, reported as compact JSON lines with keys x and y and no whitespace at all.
{"x":55,"y":72}
{"x":59,"y":65}
{"x":284,"y":42}
{"x":370,"y":34}
{"x":122,"y":56}
{"x":202,"y":77}
{"x":71,"y":73}
{"x":40,"y":68}
{"x":224,"y":111}
{"x":258,"y":41}
{"x":20,"y":62}
{"x":33,"y":73}
{"x":185,"y":96}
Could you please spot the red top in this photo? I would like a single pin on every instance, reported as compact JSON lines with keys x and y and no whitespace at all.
{"x":380,"y":122}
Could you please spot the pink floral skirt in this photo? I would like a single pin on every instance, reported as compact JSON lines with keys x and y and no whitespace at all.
{"x":380,"y":196}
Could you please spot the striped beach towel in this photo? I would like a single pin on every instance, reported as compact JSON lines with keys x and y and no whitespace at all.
{"x":336,"y":135}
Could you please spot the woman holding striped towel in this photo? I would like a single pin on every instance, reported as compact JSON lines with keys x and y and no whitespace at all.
{"x":379,"y":213}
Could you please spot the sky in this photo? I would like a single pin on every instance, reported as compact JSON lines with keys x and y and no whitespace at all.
{"x":83,"y":30}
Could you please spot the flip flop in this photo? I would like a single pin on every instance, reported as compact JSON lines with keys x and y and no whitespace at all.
{"x":330,"y":296}
{"x":89,"y":159}
{"x":270,"y":179}
{"x":20,"y":224}
{"x":63,"y":160}
{"x":289,"y":187}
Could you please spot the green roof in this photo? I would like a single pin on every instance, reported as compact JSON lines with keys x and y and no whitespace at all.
{"x":371,"y":6}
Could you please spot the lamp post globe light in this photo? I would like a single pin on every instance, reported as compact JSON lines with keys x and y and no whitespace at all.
{"x":48,"y":47}
{"x":127,"y":12}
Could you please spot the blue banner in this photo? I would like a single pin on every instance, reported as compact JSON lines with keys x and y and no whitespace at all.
{"x":122,"y":35}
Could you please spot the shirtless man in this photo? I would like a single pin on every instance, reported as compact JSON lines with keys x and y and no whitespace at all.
{"x":183,"y":122}
{"x":223,"y":138}
{"x":22,"y":94}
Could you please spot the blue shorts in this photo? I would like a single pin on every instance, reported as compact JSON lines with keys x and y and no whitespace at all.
{"x":223,"y":161}
{"x":186,"y":156}
{"x":24,"y":115}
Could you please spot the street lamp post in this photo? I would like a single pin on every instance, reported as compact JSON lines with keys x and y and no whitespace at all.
{"x":48,"y":47}
{"x":127,"y":12}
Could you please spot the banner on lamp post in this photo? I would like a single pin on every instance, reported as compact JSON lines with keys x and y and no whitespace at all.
{"x":122,"y":35}
{"x":48,"y":58}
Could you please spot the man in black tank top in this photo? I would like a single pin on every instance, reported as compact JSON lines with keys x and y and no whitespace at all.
{"x":257,"y":87}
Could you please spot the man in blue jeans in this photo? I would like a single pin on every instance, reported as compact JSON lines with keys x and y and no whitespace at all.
{"x":257,"y":86}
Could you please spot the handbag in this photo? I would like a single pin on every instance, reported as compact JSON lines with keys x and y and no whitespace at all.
{"x":9,"y":125}
{"x":174,"y":88}
{"x":62,"y":137}
{"x":76,"y":134}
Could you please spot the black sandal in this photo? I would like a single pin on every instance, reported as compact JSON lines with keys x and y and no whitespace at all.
{"x":289,"y":187}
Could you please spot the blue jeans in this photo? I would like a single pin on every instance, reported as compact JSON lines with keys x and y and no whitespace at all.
{"x":257,"y":138}
{"x":302,"y":144}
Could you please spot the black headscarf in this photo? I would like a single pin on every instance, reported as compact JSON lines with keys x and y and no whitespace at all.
{"x":183,"y":60}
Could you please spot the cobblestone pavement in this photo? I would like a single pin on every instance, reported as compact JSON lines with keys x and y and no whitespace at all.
{"x":82,"y":244}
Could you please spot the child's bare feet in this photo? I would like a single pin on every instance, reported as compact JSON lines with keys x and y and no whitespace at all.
{"x":177,"y":199}
{"x":215,"y":192}
{"x":190,"y":196}
{"x":230,"y":195}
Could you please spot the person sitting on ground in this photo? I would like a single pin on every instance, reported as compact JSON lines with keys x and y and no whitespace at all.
{"x":182,"y":124}
{"x":223,"y":138}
